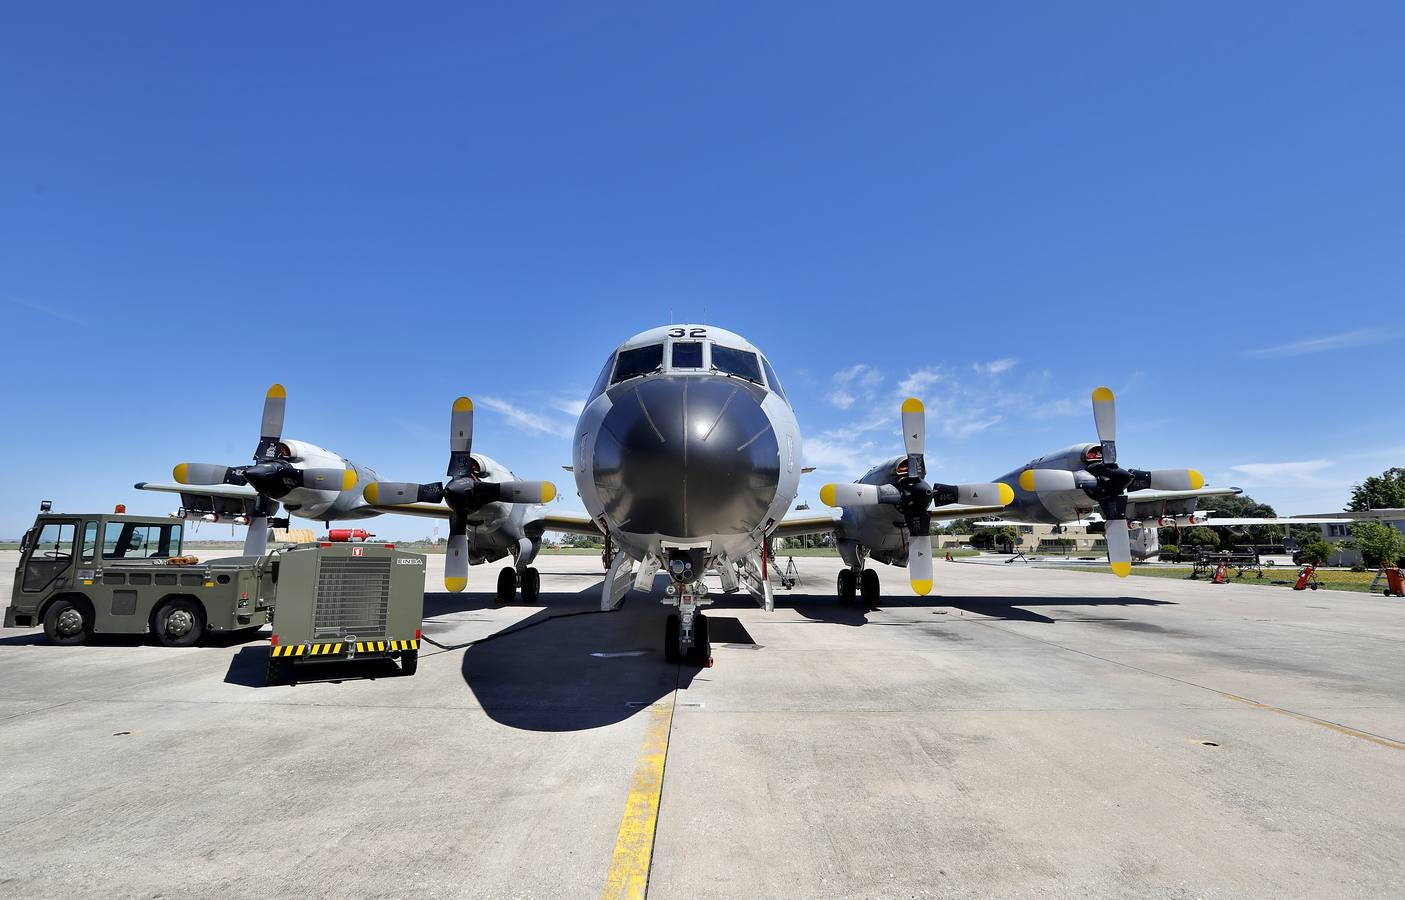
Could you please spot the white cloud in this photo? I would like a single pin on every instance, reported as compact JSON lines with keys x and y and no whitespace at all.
{"x":858,"y":382}
{"x":526,"y":420}
{"x":841,"y":398}
{"x":1289,"y":474}
{"x":995,"y":366}
{"x":918,"y":381}
{"x":568,"y":406}
{"x":1345,"y":339}
{"x":835,"y":456}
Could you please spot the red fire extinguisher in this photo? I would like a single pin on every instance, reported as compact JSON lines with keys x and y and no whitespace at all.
{"x":1306,"y":579}
{"x":1220,"y":574}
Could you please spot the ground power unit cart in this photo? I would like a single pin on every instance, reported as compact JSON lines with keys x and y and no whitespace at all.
{"x":340,"y":602}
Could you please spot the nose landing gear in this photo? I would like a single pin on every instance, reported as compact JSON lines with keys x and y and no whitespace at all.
{"x":685,"y":637}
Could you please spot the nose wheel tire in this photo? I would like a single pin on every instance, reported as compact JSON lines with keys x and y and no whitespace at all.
{"x":179,"y":623}
{"x":68,"y":621}
{"x":673,"y":651}
{"x":507,"y":585}
{"x":846,"y":586}
{"x":531,"y":585}
{"x":868,"y":586}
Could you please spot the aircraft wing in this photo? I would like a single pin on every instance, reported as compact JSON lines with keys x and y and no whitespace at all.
{"x":1213,"y":521}
{"x":820,"y":523}
{"x":571,"y":524}
{"x":425,"y":510}
{"x":222,"y":491}
{"x":1149,"y":496}
{"x":550,"y":521}
{"x":948,"y":513}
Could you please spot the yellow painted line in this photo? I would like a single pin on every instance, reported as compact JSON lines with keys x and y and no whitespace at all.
{"x":629,"y":868}
{"x":1340,"y":729}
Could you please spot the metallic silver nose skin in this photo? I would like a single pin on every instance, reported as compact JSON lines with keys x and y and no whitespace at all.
{"x":686,"y":456}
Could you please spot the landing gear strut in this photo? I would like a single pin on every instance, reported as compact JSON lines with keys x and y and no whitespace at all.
{"x":685,"y":632}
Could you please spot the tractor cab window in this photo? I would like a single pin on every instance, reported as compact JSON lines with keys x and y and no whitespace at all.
{"x":50,"y":555}
{"x":687,"y":355}
{"x":128,"y":540}
{"x":638,"y":361}
{"x":736,"y":362}
{"x":90,"y":541}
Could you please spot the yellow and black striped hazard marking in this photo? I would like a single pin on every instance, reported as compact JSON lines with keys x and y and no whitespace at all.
{"x":335,"y":649}
{"x":382,"y":646}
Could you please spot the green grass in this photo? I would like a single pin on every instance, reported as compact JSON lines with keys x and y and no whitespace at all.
{"x":1331,"y":579}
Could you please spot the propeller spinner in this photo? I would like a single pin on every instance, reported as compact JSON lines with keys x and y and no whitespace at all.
{"x":914,"y":496}
{"x":272,"y":477}
{"x":1111,"y":482}
{"x":464,"y":493}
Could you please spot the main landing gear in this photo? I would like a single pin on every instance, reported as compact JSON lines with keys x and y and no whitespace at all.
{"x":861,"y":582}
{"x":685,"y":638}
{"x":531,"y":584}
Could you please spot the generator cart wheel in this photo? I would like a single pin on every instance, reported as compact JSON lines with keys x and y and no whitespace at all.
{"x":846,"y":586}
{"x":179,"y":622}
{"x":68,"y":620}
{"x":531,"y":585}
{"x":277,"y":672}
{"x":670,"y":638}
{"x":409,"y":662}
{"x":868,"y":586}
{"x":507,"y":584}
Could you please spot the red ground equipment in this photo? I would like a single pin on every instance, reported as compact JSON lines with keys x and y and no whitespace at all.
{"x":1306,"y":579}
{"x":1220,"y":574}
{"x":1394,"y":584}
{"x":346,"y":535}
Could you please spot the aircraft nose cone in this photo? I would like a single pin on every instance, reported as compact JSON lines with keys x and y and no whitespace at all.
{"x":686,"y":457}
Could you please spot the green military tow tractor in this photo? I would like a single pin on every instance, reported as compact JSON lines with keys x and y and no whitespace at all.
{"x":86,"y":574}
{"x":82,"y":575}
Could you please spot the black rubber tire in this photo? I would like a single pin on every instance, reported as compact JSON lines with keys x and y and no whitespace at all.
{"x":172,"y":607}
{"x":409,"y":662}
{"x":671,"y":630}
{"x":868,"y":587}
{"x":845,"y":586}
{"x":531,"y":586}
{"x":507,"y":584}
{"x":702,"y":645}
{"x":277,"y":672}
{"x":64,"y":637}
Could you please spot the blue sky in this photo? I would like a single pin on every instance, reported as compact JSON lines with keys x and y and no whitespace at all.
{"x":998,"y":207}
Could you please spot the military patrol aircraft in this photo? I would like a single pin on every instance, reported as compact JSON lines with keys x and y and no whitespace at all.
{"x":482,"y":499}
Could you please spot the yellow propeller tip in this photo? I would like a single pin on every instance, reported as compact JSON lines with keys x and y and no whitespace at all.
{"x":1007,"y":493}
{"x":912,"y":404}
{"x":827,"y":495}
{"x":277,"y":392}
{"x":455,"y":584}
{"x":1197,"y":481}
{"x":1026,"y":481}
{"x":348,"y":480}
{"x":372,"y":493}
{"x":548,"y":492}
{"x":1102,"y":394}
{"x":179,"y":472}
{"x":463,"y":404}
{"x":1122,"y":569}
{"x":922,"y":587}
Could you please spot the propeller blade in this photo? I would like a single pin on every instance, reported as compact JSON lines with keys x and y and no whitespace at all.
{"x":1176,"y":480}
{"x":919,"y":563}
{"x":849,"y":494}
{"x":461,"y":438}
{"x":995,"y":493}
{"x":398,"y":493}
{"x":205,"y":473}
{"x":1047,"y":480}
{"x":914,"y":429}
{"x":328,"y":479}
{"x":456,"y":563}
{"x":256,"y":541}
{"x":1105,"y":417}
{"x":526,"y":491}
{"x":275,"y":404}
{"x":1119,"y":547}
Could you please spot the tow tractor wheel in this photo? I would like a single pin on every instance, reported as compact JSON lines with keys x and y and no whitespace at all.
{"x":671,"y":631}
{"x":868,"y":586}
{"x":68,"y":620}
{"x":507,"y":584}
{"x":277,"y":672}
{"x":531,"y":585}
{"x":846,"y":586}
{"x":409,"y":661}
{"x":179,"y":622}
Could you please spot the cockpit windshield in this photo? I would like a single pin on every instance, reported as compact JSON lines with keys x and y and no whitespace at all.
{"x":736,"y":362}
{"x":687,"y":355}
{"x":638,"y":361}
{"x":772,"y":380}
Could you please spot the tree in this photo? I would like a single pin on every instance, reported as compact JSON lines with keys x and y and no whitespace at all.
{"x":991,"y":538}
{"x":1380,"y":544}
{"x":1318,"y":552}
{"x":1383,"y":491}
{"x":1200,"y":536}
